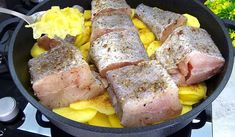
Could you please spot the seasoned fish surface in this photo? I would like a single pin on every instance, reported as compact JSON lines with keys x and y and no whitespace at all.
{"x":117,"y":49}
{"x":190,"y":55}
{"x":60,"y":77}
{"x":143,"y":94}
{"x":62,"y":58}
{"x":100,"y":7}
{"x":161,"y":22}
{"x":108,"y":23}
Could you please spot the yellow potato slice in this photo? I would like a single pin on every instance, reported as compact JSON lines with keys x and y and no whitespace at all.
{"x":83,"y":38}
{"x":114,"y":121}
{"x":189,"y":103}
{"x":132,"y":13}
{"x":88,"y":23}
{"x":138,"y":23}
{"x":77,"y":115}
{"x":153,"y":46}
{"x":186,"y":109}
{"x":87,"y":14}
{"x":85,"y":50}
{"x":146,"y":36}
{"x":100,"y":120}
{"x":190,"y":95}
{"x":36,"y":50}
{"x":100,"y":103}
{"x":198,"y":90}
{"x":146,"y":46}
{"x":192,"y":21}
{"x":93,"y":67}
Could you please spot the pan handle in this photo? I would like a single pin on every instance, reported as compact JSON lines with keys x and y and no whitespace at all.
{"x":202,"y":117}
{"x":5,"y":25}
{"x":4,"y":37}
{"x":40,"y":121}
{"x":230,"y":24}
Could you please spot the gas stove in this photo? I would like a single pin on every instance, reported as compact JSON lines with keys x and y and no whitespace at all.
{"x":25,"y":124}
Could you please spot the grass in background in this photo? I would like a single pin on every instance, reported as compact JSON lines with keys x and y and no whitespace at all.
{"x":225,"y":9}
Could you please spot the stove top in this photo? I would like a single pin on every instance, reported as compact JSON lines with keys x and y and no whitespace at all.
{"x":25,"y":124}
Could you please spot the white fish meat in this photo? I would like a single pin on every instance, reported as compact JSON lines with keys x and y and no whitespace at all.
{"x":143,"y":94}
{"x":161,"y":22}
{"x":117,"y":49}
{"x":60,"y":77}
{"x":109,"y":22}
{"x":100,"y":7}
{"x":190,"y":55}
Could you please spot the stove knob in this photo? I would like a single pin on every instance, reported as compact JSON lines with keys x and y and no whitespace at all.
{"x":8,"y":109}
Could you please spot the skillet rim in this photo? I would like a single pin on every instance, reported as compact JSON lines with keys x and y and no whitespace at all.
{"x":169,"y":123}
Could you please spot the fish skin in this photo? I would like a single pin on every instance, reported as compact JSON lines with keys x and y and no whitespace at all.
{"x":100,"y":7}
{"x":190,"y":55}
{"x":61,"y":58}
{"x":143,"y":94}
{"x":161,"y":22}
{"x":60,"y":76}
{"x":117,"y":49}
{"x":111,"y":22}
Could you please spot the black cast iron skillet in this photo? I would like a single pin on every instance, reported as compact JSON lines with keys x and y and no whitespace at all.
{"x":22,"y":42}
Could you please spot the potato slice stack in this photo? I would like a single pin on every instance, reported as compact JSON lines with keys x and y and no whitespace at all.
{"x":146,"y":36}
{"x":97,"y":111}
{"x":83,"y":40}
{"x":190,"y":95}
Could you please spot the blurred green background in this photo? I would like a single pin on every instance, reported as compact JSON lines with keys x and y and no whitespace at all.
{"x":225,"y":9}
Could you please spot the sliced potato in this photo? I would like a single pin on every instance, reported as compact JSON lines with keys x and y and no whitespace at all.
{"x":100,"y":120}
{"x":100,"y":103}
{"x":155,"y":123}
{"x":146,"y":36}
{"x":36,"y":50}
{"x":192,"y":21}
{"x":93,"y":67}
{"x":186,"y":109}
{"x":146,"y":46}
{"x":190,"y":95}
{"x":153,"y":46}
{"x":132,"y":13}
{"x":83,"y":38}
{"x":87,"y":14}
{"x":197,"y":91}
{"x":189,"y":103}
{"x":190,"y":98}
{"x":114,"y":121}
{"x":88,"y":23}
{"x":138,"y":23}
{"x":77,"y":115}
{"x":85,"y":50}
